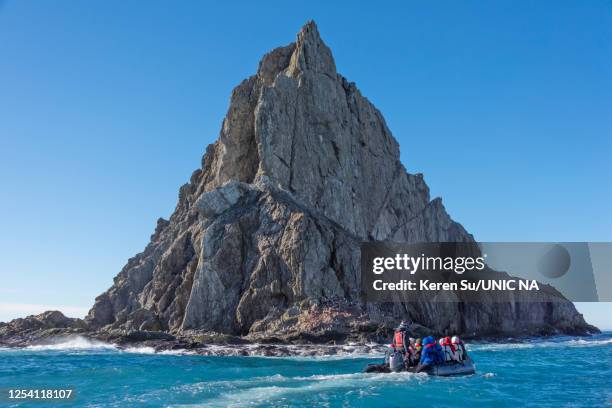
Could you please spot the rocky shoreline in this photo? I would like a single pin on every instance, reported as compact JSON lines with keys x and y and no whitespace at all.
{"x":54,"y":329}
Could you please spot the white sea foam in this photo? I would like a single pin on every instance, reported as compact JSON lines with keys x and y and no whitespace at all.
{"x":139,"y":350}
{"x":369,"y":377}
{"x":151,"y":350}
{"x":71,"y":343}
{"x":80,"y":343}
{"x":498,"y":346}
{"x":259,"y":392}
{"x":566,"y":342}
{"x":244,"y":382}
{"x":589,"y":343}
{"x":178,"y":352}
{"x":333,"y":357}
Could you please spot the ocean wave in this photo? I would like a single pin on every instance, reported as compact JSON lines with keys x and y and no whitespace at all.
{"x":83,"y":344}
{"x":560,"y":343}
{"x":179,"y":352}
{"x":369,"y":377}
{"x":71,"y":343}
{"x":498,"y":346}
{"x":139,"y":350}
{"x":589,"y":343}
{"x":152,"y":350}
{"x":333,"y":357}
{"x":258,"y":391}
{"x":198,"y":387}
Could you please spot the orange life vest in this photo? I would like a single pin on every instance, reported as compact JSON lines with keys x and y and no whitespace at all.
{"x":398,"y":339}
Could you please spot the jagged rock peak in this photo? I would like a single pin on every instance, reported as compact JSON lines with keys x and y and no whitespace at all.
{"x":312,"y":133}
{"x":265,"y":238}
{"x":311,"y":53}
{"x":307,"y":53}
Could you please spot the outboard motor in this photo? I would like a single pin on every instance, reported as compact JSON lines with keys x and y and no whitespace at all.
{"x":396,"y":361}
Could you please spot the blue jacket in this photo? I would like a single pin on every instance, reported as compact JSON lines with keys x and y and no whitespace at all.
{"x":432,"y":352}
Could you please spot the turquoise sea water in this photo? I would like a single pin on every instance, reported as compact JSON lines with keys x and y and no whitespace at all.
{"x":557,"y":372}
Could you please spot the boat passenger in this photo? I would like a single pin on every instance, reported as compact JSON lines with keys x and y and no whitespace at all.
{"x":460,"y":347}
{"x":450,"y":351}
{"x":439,"y":353}
{"x":412,"y":341}
{"x":413,"y":348}
{"x":400,"y":338}
{"x":418,"y":347}
{"x":411,"y":359}
{"x":431,"y":354}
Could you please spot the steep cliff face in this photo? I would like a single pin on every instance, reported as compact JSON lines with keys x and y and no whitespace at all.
{"x":265,"y":237}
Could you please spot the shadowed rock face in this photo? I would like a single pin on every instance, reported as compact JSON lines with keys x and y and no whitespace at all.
{"x":265,"y":237}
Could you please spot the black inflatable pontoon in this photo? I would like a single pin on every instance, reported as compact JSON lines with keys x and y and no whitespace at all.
{"x":465,"y":367}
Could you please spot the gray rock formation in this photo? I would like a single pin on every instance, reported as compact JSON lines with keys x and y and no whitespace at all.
{"x":24,"y":331}
{"x":264,"y":240}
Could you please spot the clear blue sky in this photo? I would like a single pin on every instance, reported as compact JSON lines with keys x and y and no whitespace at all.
{"x":106,"y":109}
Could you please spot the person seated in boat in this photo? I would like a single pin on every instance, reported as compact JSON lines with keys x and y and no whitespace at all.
{"x":410,"y":355}
{"x":447,"y":357}
{"x":412,"y":361}
{"x":450,"y":351}
{"x":460,"y":348}
{"x":431,"y":355}
{"x":441,"y":343}
{"x":418,"y":347}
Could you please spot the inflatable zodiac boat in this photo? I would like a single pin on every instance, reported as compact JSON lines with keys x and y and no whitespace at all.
{"x":465,"y":367}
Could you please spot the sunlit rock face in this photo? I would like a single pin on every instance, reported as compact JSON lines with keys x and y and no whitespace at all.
{"x":264,"y":240}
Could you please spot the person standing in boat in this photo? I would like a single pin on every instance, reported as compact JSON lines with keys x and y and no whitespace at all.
{"x":401,"y":341}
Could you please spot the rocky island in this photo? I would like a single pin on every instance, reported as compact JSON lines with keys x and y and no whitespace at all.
{"x":263,"y":246}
